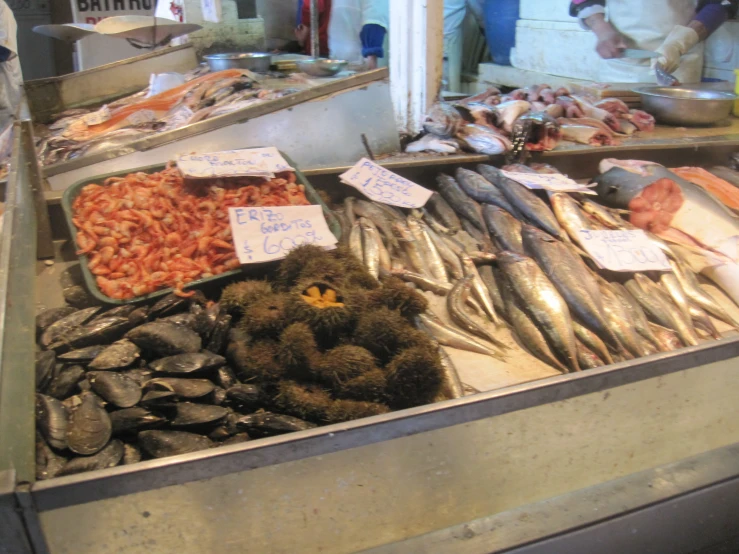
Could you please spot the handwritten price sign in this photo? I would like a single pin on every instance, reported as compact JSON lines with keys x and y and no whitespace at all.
{"x":553,"y":182}
{"x":249,"y":162}
{"x":381,"y":185}
{"x":624,"y":250}
{"x":266,"y":234}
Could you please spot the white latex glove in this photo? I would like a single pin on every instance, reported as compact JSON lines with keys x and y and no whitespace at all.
{"x":678,"y":43}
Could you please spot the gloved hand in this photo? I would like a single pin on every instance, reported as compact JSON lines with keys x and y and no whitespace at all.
{"x":678,"y":43}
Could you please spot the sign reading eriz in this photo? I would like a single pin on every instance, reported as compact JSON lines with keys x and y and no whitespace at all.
{"x":113,"y":5}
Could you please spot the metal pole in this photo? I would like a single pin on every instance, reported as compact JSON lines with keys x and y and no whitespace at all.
{"x":314,"y":44}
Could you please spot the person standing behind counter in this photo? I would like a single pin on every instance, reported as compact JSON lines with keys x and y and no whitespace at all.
{"x":674,"y":29}
{"x":302,"y":30}
{"x":11,"y":78}
{"x":358,"y":31}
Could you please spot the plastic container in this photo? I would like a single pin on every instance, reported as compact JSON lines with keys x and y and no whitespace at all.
{"x":73,"y":191}
{"x":736,"y":89}
{"x":500,"y":28}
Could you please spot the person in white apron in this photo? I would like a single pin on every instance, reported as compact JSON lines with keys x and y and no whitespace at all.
{"x":674,"y":29}
{"x":11,"y":78}
{"x":357,"y":31}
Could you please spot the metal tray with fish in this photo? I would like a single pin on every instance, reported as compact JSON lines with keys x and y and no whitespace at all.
{"x":73,"y":191}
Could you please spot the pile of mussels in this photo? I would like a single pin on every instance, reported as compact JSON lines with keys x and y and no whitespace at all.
{"x":130,"y":383}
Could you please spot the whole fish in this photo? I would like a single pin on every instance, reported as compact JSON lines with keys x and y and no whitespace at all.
{"x":451,"y":385}
{"x":355,"y":241}
{"x":441,"y":210}
{"x":433,"y":143}
{"x":671,"y":285}
{"x":641,"y":323}
{"x":385,"y":259}
{"x":440,"y":288}
{"x":443,"y":120}
{"x":458,"y":200}
{"x":487,"y":274}
{"x":571,"y":217}
{"x":543,"y":302}
{"x":454,"y":304}
{"x":572,"y":279}
{"x":592,"y":341}
{"x":450,"y":259}
{"x":665,"y":314}
{"x":621,"y":322}
{"x":411,"y":249}
{"x":449,"y":336}
{"x":697,"y":294}
{"x":701,"y":320}
{"x":526,"y":202}
{"x":479,"y":290}
{"x":531,"y":338}
{"x":604,"y":215}
{"x":370,"y":247}
{"x":373,"y":212}
{"x":480,"y":189}
{"x":481,"y":237}
{"x":667,"y":339}
{"x":484,"y":140}
{"x":428,"y":250}
{"x":504,"y":228}
{"x":349,"y":209}
{"x":587,"y":358}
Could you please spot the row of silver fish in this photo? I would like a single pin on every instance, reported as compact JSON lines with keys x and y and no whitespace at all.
{"x":529,"y":269}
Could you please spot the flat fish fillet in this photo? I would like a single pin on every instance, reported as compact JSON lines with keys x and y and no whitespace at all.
{"x":721,"y":189}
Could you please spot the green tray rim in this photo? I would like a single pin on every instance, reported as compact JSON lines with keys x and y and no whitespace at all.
{"x":73,"y":191}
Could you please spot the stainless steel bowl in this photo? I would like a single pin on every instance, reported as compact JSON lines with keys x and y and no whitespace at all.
{"x":254,"y":61}
{"x":685,"y":105}
{"x":321,"y":68}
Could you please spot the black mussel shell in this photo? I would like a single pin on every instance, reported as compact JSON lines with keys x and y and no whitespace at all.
{"x":165,"y":339}
{"x":155,"y":398}
{"x":219,"y":336}
{"x":45,"y":368}
{"x":188,"y":363}
{"x":169,"y":305}
{"x":64,"y":384}
{"x":184,"y":388}
{"x":205,"y":321}
{"x":131,"y":454}
{"x":267,"y":424}
{"x":160,"y":444}
{"x":102,"y":331}
{"x":51,"y":421}
{"x":134,"y":419}
{"x":118,"y":311}
{"x":115,"y":388}
{"x":220,"y":433}
{"x":188,"y":413}
{"x":118,"y":355}
{"x":225,"y":377}
{"x":64,"y":326}
{"x":218,"y":396}
{"x":52,"y":315}
{"x":186,"y":319}
{"x":110,"y":456}
{"x":238,"y":438}
{"x":138,"y":316}
{"x":82,"y":355}
{"x":78,"y":296}
{"x":48,"y":463}
{"x":141,"y":375}
{"x":244,"y":396}
{"x":89,"y":426}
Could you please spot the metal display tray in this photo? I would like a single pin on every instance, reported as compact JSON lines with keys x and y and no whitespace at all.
{"x":72,"y":192}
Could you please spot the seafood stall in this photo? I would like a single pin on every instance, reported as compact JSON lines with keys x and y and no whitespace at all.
{"x":403,"y":458}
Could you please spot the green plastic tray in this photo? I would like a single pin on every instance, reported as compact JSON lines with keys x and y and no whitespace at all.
{"x":73,"y":191}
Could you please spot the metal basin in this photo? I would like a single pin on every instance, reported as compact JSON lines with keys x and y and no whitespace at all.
{"x":320,"y":67}
{"x":254,"y":61}
{"x":686,"y":106}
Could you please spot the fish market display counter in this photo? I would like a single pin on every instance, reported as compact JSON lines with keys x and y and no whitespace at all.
{"x":557,"y":464}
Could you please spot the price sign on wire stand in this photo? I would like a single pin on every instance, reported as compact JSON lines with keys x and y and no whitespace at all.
{"x":624,"y":250}
{"x":382,"y":185}
{"x":249,"y":162}
{"x":553,"y":182}
{"x":266,"y":234}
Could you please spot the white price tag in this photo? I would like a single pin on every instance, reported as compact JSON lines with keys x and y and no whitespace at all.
{"x":254,"y":162}
{"x":98,"y":117}
{"x":624,"y":250}
{"x":382,"y":185}
{"x":266,"y":234}
{"x":553,"y":182}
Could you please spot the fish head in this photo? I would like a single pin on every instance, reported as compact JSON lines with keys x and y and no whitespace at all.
{"x":506,"y":257}
{"x":442,"y":120}
{"x":531,"y":233}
